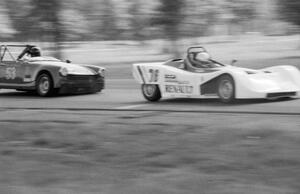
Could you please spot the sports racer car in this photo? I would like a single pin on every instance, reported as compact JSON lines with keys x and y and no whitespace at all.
{"x":199,"y":76}
{"x":23,"y":68}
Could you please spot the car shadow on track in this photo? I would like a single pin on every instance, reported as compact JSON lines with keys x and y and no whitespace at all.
{"x":18,"y":94}
{"x":216,"y":102}
{"x":33,"y":94}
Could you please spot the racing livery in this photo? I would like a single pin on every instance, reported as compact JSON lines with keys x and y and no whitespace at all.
{"x":27,"y":70}
{"x":199,"y":76}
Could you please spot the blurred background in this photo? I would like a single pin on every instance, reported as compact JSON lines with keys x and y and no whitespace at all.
{"x":45,"y":150}
{"x":156,"y":27}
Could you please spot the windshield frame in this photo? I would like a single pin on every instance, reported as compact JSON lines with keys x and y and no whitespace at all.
{"x":198,"y":49}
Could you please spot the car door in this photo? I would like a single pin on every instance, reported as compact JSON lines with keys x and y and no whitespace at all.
{"x":180,"y":83}
{"x":11,"y":71}
{"x":2,"y":73}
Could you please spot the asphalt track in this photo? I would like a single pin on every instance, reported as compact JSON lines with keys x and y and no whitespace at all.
{"x":116,"y":142}
{"x":125,"y":95}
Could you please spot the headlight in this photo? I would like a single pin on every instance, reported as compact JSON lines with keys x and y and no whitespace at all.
{"x":63,"y":71}
{"x":101,"y":72}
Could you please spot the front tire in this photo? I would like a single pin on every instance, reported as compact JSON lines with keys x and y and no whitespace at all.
{"x":151,"y":92}
{"x":226,"y":89}
{"x":44,"y":85}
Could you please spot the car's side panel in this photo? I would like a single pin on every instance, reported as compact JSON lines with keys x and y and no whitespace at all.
{"x":174,"y":82}
{"x":9,"y":74}
{"x":27,"y":74}
{"x":30,"y":71}
{"x":246,"y":86}
{"x":179,"y":83}
{"x":147,"y":73}
{"x":262,"y":82}
{"x":52,"y":70}
{"x":2,"y":73}
{"x":209,"y":87}
{"x":290,"y":73}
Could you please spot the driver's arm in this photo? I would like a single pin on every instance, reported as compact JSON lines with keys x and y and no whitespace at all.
{"x":25,"y":51}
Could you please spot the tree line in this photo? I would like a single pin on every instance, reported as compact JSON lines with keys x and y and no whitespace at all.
{"x":67,"y":20}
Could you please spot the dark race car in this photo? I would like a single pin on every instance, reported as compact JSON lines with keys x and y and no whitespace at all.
{"x":22,"y":67}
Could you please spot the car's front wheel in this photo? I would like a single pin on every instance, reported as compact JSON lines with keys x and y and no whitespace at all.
{"x":151,"y":92}
{"x":226,"y":89}
{"x":44,"y":85}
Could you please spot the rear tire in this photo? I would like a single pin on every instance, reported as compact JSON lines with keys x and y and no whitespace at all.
{"x":226,"y":89}
{"x":44,"y":85}
{"x":151,"y":92}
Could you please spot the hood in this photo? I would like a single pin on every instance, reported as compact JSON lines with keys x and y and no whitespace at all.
{"x":264,"y":80}
{"x":73,"y":69}
{"x":242,"y":69}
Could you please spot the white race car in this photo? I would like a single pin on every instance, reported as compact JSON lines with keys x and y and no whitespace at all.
{"x":199,"y":76}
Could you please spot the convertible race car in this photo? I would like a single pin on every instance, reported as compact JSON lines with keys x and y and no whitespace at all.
{"x":23,"y":68}
{"x":199,"y":76}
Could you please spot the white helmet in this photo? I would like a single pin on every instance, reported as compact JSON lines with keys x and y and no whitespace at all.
{"x":202,"y":57}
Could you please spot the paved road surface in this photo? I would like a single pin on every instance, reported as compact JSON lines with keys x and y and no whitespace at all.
{"x":125,"y":94}
{"x":115,"y":142}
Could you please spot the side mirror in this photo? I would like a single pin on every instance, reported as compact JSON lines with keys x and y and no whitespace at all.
{"x":68,"y":61}
{"x":233,"y":62}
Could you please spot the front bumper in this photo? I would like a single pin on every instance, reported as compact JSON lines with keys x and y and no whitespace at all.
{"x":81,"y":84}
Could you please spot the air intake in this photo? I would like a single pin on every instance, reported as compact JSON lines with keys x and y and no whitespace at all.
{"x":281,"y":94}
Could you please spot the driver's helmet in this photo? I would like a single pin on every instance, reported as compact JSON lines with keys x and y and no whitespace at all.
{"x":35,"y":52}
{"x":198,"y":60}
{"x":203,"y":57}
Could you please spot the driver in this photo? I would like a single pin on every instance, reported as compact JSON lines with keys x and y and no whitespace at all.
{"x":35,"y":52}
{"x":198,"y":60}
{"x":29,"y":52}
{"x":201,"y":60}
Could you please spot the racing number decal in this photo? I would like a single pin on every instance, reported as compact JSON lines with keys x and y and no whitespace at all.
{"x":10,"y":73}
{"x":154,"y":73}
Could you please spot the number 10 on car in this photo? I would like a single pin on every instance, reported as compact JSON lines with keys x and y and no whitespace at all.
{"x":154,"y":74}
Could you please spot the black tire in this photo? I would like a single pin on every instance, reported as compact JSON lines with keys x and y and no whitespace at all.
{"x":151,"y":92}
{"x":226,"y":89}
{"x":44,"y":85}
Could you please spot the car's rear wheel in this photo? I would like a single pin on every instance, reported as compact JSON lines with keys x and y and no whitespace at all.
{"x":226,"y":89}
{"x":44,"y":85}
{"x":151,"y":92}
